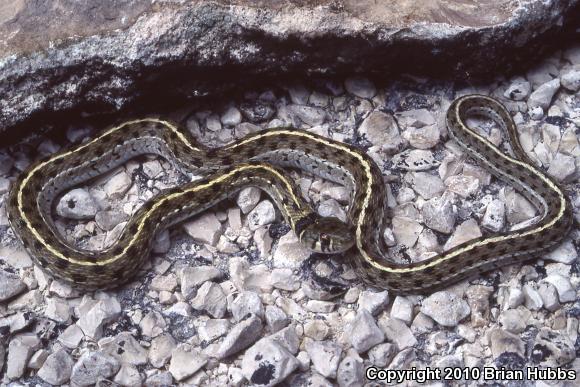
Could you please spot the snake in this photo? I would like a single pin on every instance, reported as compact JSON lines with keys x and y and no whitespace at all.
{"x":260,"y":159}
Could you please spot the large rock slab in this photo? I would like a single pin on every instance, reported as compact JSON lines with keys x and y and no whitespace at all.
{"x":103,"y":56}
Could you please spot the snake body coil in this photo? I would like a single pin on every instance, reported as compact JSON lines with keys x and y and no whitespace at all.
{"x":250,"y":161}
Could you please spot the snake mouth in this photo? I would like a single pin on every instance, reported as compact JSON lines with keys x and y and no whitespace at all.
{"x":327,"y":235}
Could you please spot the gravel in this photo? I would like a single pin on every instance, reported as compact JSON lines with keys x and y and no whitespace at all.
{"x":233,"y":297}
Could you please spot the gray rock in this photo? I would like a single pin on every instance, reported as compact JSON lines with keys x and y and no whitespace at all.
{"x":109,"y":219}
{"x":364,"y":332}
{"x":263,"y":214}
{"x":285,"y":279}
{"x":240,"y":337}
{"x":361,"y":87}
{"x":129,"y":376}
{"x":402,"y":309}
{"x":77,"y":204}
{"x":549,"y":296}
{"x":99,"y":314}
{"x":494,"y":216}
{"x":566,"y":292}
{"x":235,"y":377}
{"x":10,"y":285}
{"x":464,"y":232}
{"x":185,"y":361}
{"x":213,"y":329}
{"x":311,"y":116}
{"x":118,"y":185}
{"x":92,"y":367}
{"x":515,"y":320}
{"x":162,"y":379}
{"x":153,"y":324}
{"x":382,"y":354}
{"x":71,"y":336}
{"x":231,"y":116}
{"x":426,"y":184}
{"x":415,"y":160}
{"x":518,"y":90}
{"x":502,"y":341}
{"x":564,"y":253}
{"x":562,"y":167}
{"x":125,"y":348}
{"x":38,"y":359}
{"x":205,"y":228}
{"x":192,"y":277}
{"x":325,"y":356}
{"x":381,"y":129}
{"x":350,"y":371}
{"x":532,"y":298}
{"x":246,"y":303}
{"x":571,"y":80}
{"x":552,"y":349}
{"x":316,"y":329}
{"x":120,"y":54}
{"x":248,"y":198}
{"x":374,"y":302}
{"x":161,"y":349}
{"x":397,"y":332}
{"x":290,"y":253}
{"x":17,"y":322}
{"x":288,"y":338}
{"x":542,"y":96}
{"x":57,"y":368}
{"x":439,"y":215}
{"x":20,"y":350}
{"x":211,"y":299}
{"x":445,"y":308}
{"x":276,"y":319}
{"x":268,"y":363}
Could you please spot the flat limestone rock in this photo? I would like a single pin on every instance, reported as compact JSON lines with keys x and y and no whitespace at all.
{"x":106,"y":55}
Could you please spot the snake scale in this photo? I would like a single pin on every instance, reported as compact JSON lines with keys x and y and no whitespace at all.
{"x":258,"y":160}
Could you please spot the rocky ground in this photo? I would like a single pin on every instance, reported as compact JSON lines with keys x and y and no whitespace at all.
{"x":231,"y":297}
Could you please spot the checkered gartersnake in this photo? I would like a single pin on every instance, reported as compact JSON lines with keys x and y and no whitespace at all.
{"x":250,"y":161}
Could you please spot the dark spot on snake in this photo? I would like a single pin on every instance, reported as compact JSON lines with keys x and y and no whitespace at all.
{"x":41,"y":261}
{"x":58,"y":161}
{"x":78,"y":278}
{"x":418,"y":283}
{"x":98,"y":269}
{"x":211,"y":153}
{"x":37,"y":245}
{"x":227,"y":160}
{"x":61,"y":263}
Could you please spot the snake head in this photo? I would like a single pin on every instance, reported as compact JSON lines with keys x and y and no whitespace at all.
{"x":327,"y":235}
